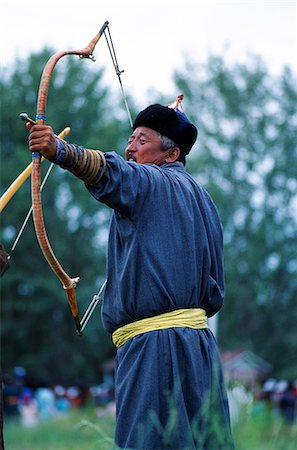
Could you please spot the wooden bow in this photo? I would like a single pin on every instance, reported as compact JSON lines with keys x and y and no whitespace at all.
{"x":68,"y":283}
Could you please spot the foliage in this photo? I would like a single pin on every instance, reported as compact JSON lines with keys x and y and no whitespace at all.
{"x":247,"y":160}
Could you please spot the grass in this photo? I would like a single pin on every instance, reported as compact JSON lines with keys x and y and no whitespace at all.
{"x":263,"y":429}
{"x":82,"y":429}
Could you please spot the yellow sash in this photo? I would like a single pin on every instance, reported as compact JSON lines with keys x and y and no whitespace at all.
{"x":186,"y":318}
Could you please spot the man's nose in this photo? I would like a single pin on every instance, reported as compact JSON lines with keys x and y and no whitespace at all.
{"x":131,"y":146}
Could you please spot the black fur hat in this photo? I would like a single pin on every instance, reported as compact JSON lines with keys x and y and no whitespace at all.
{"x":171,"y":122}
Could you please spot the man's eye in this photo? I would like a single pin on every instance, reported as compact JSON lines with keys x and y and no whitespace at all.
{"x":142,"y":141}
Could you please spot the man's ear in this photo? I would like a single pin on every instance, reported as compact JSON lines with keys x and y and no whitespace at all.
{"x":172,"y":154}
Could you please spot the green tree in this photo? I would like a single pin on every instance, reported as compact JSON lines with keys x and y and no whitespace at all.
{"x":246,"y":158}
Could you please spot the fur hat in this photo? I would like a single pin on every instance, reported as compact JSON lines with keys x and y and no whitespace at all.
{"x":170,"y":121}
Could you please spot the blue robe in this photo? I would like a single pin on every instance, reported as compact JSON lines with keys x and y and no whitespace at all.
{"x":165,"y":252}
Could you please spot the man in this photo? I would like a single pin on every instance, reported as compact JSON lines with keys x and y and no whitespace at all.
{"x":164,"y":278}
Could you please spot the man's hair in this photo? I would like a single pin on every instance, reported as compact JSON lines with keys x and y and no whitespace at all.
{"x":166,"y":143}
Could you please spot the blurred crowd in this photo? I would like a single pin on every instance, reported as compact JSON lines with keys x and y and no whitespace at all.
{"x":280,"y":396}
{"x":33,"y":403}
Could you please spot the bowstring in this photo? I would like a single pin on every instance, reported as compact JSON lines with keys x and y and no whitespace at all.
{"x":15,"y":243}
{"x":117,"y":70}
{"x":98,"y":298}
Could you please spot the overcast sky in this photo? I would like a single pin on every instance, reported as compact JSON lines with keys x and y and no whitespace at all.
{"x":151,"y":37}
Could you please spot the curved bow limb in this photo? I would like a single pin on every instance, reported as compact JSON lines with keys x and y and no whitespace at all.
{"x":68,"y":283}
{"x":86,"y":52}
{"x":19,"y":181}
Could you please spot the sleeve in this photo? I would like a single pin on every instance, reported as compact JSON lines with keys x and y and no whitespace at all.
{"x":88,"y":165}
{"x":125,"y":185}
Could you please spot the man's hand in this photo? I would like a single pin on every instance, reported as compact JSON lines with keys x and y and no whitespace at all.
{"x":42,"y":140}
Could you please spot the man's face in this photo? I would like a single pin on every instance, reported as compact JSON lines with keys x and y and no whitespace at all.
{"x":144,"y":147}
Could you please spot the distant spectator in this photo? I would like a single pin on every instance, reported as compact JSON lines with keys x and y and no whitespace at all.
{"x":28,"y":409}
{"x":268,"y":388}
{"x":288,"y":403}
{"x":45,"y":402}
{"x":72,"y":394}
{"x":62,"y":403}
{"x":239,"y":400}
{"x":11,"y":393}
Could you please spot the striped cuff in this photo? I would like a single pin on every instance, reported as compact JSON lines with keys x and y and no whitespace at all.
{"x":88,"y":165}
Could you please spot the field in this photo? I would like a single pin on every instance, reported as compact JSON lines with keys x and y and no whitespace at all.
{"x":83,"y":429}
